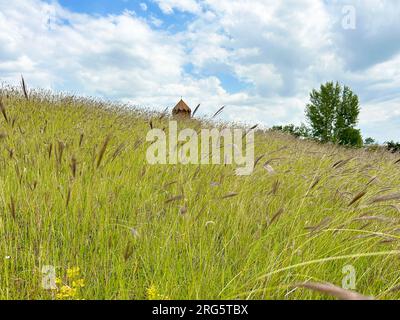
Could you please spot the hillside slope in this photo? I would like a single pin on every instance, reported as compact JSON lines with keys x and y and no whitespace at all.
{"x":76,"y":191}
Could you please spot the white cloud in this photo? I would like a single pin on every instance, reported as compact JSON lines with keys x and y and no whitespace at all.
{"x":143,"y":6}
{"x":168,"y":6}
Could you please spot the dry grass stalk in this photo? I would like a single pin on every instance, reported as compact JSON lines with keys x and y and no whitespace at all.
{"x":3,"y":110}
{"x":50,"y":149}
{"x":73,"y":166}
{"x":320,"y":225}
{"x":103,"y":150}
{"x":230,"y":195}
{"x":316,"y":181}
{"x":357,"y":197}
{"x":12,"y":208}
{"x":117,"y":151}
{"x":175,"y":198}
{"x":276,"y":215}
{"x":248,"y":131}
{"x":275,"y":187}
{"x":60,"y":151}
{"x":372,"y":180}
{"x":24,"y":88}
{"x":269,"y":169}
{"x":334,"y":291}
{"x":68,"y":197}
{"x":218,"y":112}
{"x":80,"y":140}
{"x":390,"y":197}
{"x":258,"y":160}
{"x":195,"y":110}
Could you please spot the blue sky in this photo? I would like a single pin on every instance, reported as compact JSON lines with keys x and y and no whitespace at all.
{"x":260,"y":58}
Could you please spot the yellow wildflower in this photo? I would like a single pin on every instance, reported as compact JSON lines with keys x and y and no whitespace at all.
{"x":73,"y":272}
{"x":79,"y":283}
{"x":152,"y":293}
{"x":66,"y":292}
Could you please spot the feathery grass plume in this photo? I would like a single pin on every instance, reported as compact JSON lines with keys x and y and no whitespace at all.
{"x":137,"y":144}
{"x":230,"y":195}
{"x":118,"y":151}
{"x":60,"y":151}
{"x":128,"y":251}
{"x":68,"y":197}
{"x":50,"y":149}
{"x":269,"y":169}
{"x":342,"y":163}
{"x":258,"y":159}
{"x":81,"y":140}
{"x":24,"y":88}
{"x":18,"y":172}
{"x":103,"y":150}
{"x":218,"y":112}
{"x":275,"y":187}
{"x":316,"y":181}
{"x":320,"y":225}
{"x":376,"y":218}
{"x":372,"y":180}
{"x":12,"y":208}
{"x":195,"y":110}
{"x":276,"y":215}
{"x":165,"y":186}
{"x":249,"y":130}
{"x":3,"y":110}
{"x":337,"y":163}
{"x":389,"y":197}
{"x":143,"y":171}
{"x":332,"y":290}
{"x":357,"y":197}
{"x":175,"y":198}
{"x":73,"y":166}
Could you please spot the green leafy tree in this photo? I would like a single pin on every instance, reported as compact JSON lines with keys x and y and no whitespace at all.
{"x":393,"y":146}
{"x":321,"y":111}
{"x":346,"y":116}
{"x":351,"y":137}
{"x":369,"y":141}
{"x":331,"y":112}
{"x":297,"y":131}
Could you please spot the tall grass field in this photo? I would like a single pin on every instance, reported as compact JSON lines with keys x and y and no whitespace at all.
{"x":77,"y":193}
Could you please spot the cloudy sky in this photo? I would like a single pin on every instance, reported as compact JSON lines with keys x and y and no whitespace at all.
{"x":260,"y":58}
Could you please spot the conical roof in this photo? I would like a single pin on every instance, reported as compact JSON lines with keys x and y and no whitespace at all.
{"x":181,"y":107}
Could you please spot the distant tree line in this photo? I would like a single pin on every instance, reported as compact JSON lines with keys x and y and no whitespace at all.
{"x":332,"y":116}
{"x":392,"y":146}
